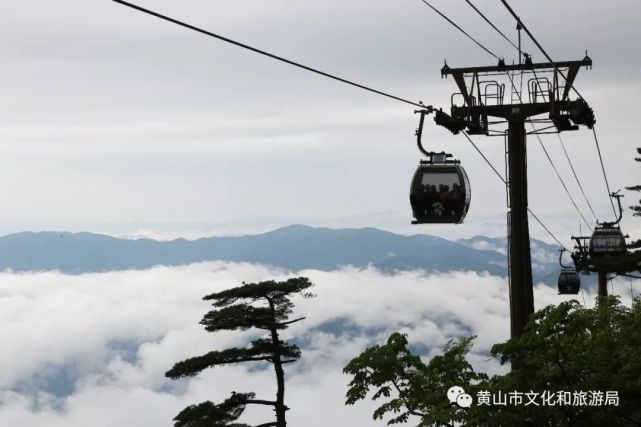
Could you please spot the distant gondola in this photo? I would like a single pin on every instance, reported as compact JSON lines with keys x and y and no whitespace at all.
{"x":607,"y":238}
{"x":569,"y":282}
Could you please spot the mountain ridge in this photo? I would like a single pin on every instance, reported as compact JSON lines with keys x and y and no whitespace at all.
{"x":294,"y":247}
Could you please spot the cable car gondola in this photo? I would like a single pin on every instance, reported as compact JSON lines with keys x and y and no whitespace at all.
{"x":607,"y":241}
{"x":607,"y":238}
{"x":569,"y":282}
{"x":440,"y":190}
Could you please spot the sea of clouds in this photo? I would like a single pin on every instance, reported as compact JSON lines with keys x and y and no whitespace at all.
{"x":92,"y":349}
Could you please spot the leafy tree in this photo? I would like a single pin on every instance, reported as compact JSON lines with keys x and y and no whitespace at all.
{"x":571,"y":348}
{"x":266,"y":306}
{"x":564,"y":348}
{"x":418,"y":389}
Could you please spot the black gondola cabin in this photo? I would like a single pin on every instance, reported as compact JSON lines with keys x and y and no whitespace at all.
{"x":440,"y":192}
{"x":607,"y":241}
{"x":569,"y":282}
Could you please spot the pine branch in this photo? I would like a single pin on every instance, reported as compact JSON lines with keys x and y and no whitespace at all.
{"x":261,"y":402}
{"x":260,"y":350}
{"x":240,"y":316}
{"x":252,"y":292}
{"x":191,"y":367}
{"x":636,"y":210}
{"x":211,"y":415}
{"x":245,"y":316}
{"x":194,"y":365}
{"x":291,"y":321}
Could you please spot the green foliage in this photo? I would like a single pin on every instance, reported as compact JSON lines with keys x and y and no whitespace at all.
{"x":267,"y":290}
{"x":418,"y":389}
{"x":238,"y":317}
{"x":632,"y":261}
{"x":564,"y":348}
{"x":259,"y":350}
{"x":571,"y":348}
{"x":264,"y":306}
{"x":207,"y":414}
{"x":637,"y":208}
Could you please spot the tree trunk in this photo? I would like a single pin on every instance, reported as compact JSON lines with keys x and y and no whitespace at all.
{"x":280,"y":374}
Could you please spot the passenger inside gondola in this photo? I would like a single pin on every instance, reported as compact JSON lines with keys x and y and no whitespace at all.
{"x":441,"y":194}
{"x":437,"y":209}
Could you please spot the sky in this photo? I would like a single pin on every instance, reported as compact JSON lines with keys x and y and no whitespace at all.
{"x":135,"y":325}
{"x":113,"y":121}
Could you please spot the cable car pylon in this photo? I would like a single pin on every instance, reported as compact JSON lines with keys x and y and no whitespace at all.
{"x":482,"y":108}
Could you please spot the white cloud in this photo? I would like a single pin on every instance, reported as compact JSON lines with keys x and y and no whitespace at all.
{"x":114,"y":335}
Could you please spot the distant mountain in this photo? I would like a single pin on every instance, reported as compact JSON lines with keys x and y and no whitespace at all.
{"x":541,"y":252}
{"x":294,"y":247}
{"x":545,"y":256}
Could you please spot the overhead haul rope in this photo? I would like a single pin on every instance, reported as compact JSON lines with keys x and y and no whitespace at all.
{"x":472,"y":142}
{"x":596,"y":139}
{"x":331,"y":76}
{"x":558,"y":175}
{"x":559,"y":135}
{"x":460,"y":29}
{"x":518,"y":20}
{"x":536,"y":218}
{"x":605,"y":176}
{"x":576,"y":177}
{"x":270,"y":55}
{"x":494,"y":26}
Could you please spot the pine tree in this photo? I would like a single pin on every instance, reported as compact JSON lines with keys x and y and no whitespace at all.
{"x":266,"y":306}
{"x":636,"y":208}
{"x":634,"y":262}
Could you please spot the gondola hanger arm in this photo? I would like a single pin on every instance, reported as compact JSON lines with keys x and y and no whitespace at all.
{"x":419,"y":132}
